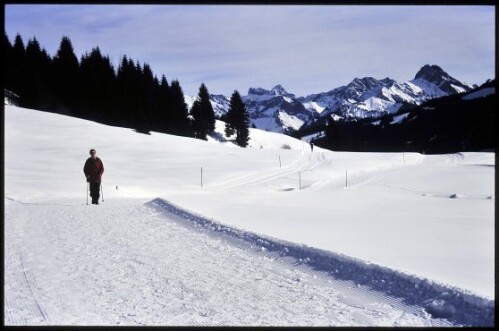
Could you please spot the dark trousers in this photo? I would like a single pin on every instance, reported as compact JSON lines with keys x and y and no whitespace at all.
{"x":95,"y":192}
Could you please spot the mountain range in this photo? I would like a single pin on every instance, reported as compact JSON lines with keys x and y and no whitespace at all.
{"x":280,"y":111}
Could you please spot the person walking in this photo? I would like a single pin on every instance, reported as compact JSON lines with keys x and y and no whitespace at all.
{"x":93,"y":170}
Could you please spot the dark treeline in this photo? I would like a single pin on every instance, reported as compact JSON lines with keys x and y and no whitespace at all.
{"x":444,"y":125}
{"x":91,"y":88}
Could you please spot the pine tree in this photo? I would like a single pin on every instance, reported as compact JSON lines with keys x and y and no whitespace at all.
{"x":125,"y":92}
{"x":8,"y":59}
{"x":237,"y":120}
{"x":203,"y":114}
{"x":144,"y":86}
{"x":333,"y":134}
{"x":179,"y":113}
{"x":18,"y":68}
{"x":66,"y":77}
{"x":97,"y":83}
{"x":38,"y":66}
{"x":161,"y":118}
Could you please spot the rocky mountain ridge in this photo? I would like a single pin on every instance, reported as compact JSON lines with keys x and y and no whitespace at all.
{"x":280,"y":111}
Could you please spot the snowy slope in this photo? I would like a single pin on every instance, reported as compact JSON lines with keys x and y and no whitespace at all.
{"x":272,"y":237}
{"x":480,"y":93}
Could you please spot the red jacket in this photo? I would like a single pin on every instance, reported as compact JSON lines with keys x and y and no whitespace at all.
{"x":93,"y":170}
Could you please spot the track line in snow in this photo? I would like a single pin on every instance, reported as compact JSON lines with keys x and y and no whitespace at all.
{"x":20,"y":296}
{"x":27,"y":276}
{"x":412,"y":294}
{"x":20,"y":292}
{"x":304,"y":163}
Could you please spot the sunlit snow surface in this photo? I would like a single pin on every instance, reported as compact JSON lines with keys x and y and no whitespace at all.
{"x":274,"y":234}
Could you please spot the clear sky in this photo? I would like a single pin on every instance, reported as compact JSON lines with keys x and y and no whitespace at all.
{"x":305,"y":48}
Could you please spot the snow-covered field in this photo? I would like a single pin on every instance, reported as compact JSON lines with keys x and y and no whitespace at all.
{"x":274,"y":234}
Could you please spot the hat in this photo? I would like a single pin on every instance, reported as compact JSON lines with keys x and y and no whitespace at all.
{"x":92,"y":151}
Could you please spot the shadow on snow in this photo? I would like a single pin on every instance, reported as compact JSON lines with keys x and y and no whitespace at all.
{"x":440,"y":301}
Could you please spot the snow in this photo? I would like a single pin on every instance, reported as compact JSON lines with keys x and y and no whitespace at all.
{"x":312,"y":105}
{"x":380,"y":105}
{"x":273,"y":237}
{"x":267,"y":123}
{"x":399,"y":118}
{"x":313,"y":136}
{"x":189,"y":100}
{"x":414,"y":86}
{"x":405,"y":92}
{"x":459,"y":89}
{"x":290,"y":121}
{"x":429,"y":89}
{"x":336,"y":117}
{"x":480,"y":93}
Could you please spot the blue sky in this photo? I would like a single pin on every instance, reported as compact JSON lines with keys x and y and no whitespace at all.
{"x":306,"y":49}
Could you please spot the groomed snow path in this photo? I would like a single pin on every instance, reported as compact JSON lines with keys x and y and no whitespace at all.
{"x":139,"y":262}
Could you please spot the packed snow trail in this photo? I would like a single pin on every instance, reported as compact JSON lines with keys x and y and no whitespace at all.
{"x":128,"y":262}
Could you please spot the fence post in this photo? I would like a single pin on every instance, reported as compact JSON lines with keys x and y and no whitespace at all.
{"x":346,"y":178}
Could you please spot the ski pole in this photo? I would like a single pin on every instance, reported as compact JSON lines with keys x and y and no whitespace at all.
{"x":87,"y":191}
{"x":102,"y":191}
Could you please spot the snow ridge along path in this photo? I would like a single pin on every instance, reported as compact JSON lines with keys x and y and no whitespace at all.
{"x":440,"y":301}
{"x":139,"y":262}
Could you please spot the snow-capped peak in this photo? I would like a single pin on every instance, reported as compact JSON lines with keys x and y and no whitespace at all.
{"x":437,"y":76}
{"x":257,"y":91}
{"x":432,"y":73}
{"x":279,"y":90}
{"x":366,"y":82}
